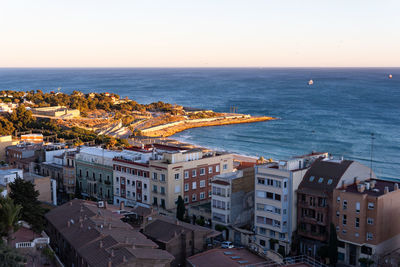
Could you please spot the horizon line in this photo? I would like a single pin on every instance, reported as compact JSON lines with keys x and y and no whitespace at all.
{"x":215,"y":67}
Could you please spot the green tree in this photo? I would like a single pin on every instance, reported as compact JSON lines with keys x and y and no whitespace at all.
{"x":6,"y":127}
{"x":180,"y":208}
{"x":333,"y":245}
{"x":24,"y":193}
{"x":9,"y":257}
{"x":365,"y":262}
{"x":22,"y":118}
{"x":9,"y":217}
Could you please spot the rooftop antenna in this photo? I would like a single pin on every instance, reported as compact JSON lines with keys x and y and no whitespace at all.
{"x":372,"y":149}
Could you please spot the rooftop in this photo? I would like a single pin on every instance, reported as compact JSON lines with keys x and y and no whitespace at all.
{"x":225,"y":257}
{"x":372,"y":187}
{"x":98,"y":234}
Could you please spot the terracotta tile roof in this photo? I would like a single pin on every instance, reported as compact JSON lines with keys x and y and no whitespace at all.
{"x":85,"y":227}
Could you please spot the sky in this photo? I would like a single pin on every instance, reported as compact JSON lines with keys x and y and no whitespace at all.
{"x":199,"y":33}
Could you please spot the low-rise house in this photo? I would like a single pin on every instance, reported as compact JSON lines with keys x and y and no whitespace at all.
{"x":5,"y":141}
{"x":7,"y":176}
{"x":55,"y":112}
{"x":85,"y":233}
{"x":367,"y":219}
{"x":180,"y":239}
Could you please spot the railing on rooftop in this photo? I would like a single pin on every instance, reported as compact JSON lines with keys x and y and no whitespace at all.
{"x":290,"y":260}
{"x":36,"y":241}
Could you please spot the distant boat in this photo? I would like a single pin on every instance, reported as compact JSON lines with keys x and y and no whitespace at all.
{"x":390,"y":76}
{"x":310,"y":82}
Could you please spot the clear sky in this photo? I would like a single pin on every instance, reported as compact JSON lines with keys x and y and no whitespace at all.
{"x":199,"y":33}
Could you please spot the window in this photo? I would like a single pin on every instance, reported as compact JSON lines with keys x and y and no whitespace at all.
{"x":117,"y":179}
{"x":270,"y":182}
{"x":122,"y":180}
{"x":369,"y":236}
{"x":145,"y":186}
{"x":128,"y":193}
{"x":176,"y":176}
{"x":202,"y":183}
{"x":312,"y":178}
{"x":281,"y":235}
{"x":344,"y":204}
{"x":271,"y":233}
{"x":337,"y":228}
{"x":260,"y":181}
{"x":154,"y":176}
{"x":186,"y":187}
{"x":262,"y":242}
{"x":262,"y":230}
{"x":357,"y":207}
{"x":194,"y":196}
{"x":162,"y":177}
{"x":370,"y":221}
{"x":344,"y":232}
{"x":162,"y":190}
{"x":154,"y":188}
{"x":186,"y":199}
{"x":202,"y":171}
{"x":344,"y":221}
{"x":357,"y":222}
{"x":338,"y":200}
{"x":186,"y":174}
{"x":128,"y":182}
{"x":320,"y":180}
{"x":194,"y":185}
{"x":371,"y":205}
{"x":202,"y":195}
{"x":225,"y":166}
{"x":277,"y":197}
{"x":366,"y":250}
{"x":337,"y":214}
{"x":145,"y":198}
{"x":285,"y":184}
{"x":210,"y":169}
{"x":330,"y":181}
{"x":177,"y":189}
{"x":356,"y":234}
{"x":117,"y":191}
{"x":217,"y":168}
{"x":194,"y":173}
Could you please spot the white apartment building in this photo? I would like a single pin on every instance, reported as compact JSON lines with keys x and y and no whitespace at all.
{"x":275,"y":215}
{"x":8,"y":176}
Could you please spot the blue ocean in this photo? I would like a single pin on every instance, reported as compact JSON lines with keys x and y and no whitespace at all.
{"x":336,"y":114}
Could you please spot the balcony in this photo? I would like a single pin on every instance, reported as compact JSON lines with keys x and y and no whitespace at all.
{"x":220,"y":194}
{"x":220,"y":208}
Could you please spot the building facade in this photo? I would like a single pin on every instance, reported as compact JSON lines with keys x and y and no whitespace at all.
{"x":186,"y":173}
{"x":315,"y":199}
{"x":275,"y":215}
{"x":367,"y":220}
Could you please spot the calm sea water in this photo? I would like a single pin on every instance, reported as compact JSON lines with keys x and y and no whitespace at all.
{"x":337,"y":114}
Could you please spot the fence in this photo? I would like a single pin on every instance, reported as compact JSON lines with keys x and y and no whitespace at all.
{"x":36,"y":241}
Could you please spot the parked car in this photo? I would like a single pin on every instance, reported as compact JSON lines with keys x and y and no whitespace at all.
{"x":227,"y":244}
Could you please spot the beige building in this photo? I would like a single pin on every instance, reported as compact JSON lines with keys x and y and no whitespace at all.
{"x":5,"y":141}
{"x":187,"y":174}
{"x":55,"y":112}
{"x":367,"y":219}
{"x":43,"y":185}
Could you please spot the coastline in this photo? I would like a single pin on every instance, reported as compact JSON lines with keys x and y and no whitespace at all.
{"x":184,"y":125}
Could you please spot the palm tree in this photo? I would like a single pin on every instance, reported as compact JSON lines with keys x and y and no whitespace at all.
{"x":9,"y":216}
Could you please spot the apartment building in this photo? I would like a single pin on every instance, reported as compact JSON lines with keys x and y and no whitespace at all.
{"x":186,"y":173}
{"x":275,"y":215}
{"x":94,"y":172}
{"x":69,"y":174}
{"x":367,"y":219}
{"x":315,"y":199}
{"x":132,"y":174}
{"x":20,"y":156}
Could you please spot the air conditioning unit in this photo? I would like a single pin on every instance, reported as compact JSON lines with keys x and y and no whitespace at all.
{"x":100,"y":204}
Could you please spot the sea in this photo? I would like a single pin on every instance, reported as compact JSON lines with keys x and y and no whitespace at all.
{"x":349,"y":112}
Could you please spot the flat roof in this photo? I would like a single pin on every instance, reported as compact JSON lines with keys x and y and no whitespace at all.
{"x":225,"y":257}
{"x":377,"y":190}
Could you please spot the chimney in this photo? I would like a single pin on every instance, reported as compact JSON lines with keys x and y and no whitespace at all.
{"x":372,"y":184}
{"x":122,"y":205}
{"x":101,"y":243}
{"x":68,"y":224}
{"x":70,"y":203}
{"x":109,"y":263}
{"x":343,"y":185}
{"x":109,"y":226}
{"x":360,"y":188}
{"x":356,"y":180}
{"x":81,"y":208}
{"x":396,"y":186}
{"x":386,"y":190}
{"x":124,"y":259}
{"x":367,"y":185}
{"x":112,"y":253}
{"x":105,"y":204}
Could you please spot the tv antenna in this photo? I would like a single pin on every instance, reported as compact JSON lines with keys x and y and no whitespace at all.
{"x":372,"y":150}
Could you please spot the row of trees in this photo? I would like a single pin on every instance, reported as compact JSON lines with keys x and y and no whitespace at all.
{"x":83,"y":102}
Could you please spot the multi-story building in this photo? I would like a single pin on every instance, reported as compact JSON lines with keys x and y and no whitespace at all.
{"x":94,"y":172}
{"x":315,"y":199}
{"x":186,"y":173}
{"x":7,"y":176}
{"x":275,"y":215}
{"x":20,"y":156}
{"x":367,"y":219}
{"x":5,"y":141}
{"x":69,"y":174}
